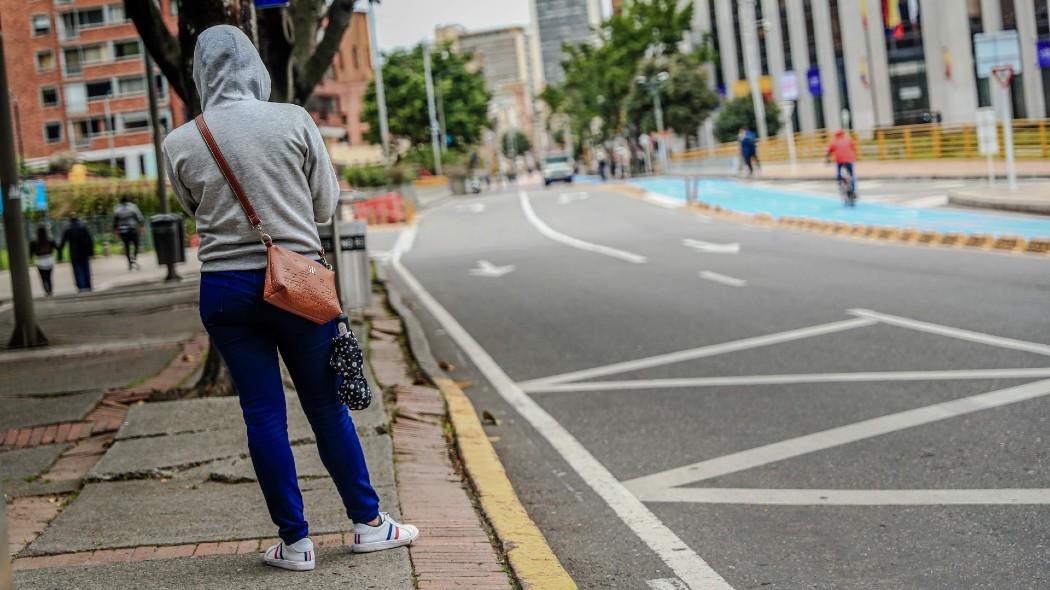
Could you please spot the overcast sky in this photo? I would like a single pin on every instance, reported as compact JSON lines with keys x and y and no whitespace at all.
{"x":407,"y":22}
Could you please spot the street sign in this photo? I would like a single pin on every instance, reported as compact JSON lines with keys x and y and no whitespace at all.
{"x":788,"y":86}
{"x":987,"y":132}
{"x":1042,"y":52}
{"x":994,"y":50}
{"x":813,"y":81}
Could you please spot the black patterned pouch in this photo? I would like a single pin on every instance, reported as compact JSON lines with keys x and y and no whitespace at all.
{"x":349,"y":362}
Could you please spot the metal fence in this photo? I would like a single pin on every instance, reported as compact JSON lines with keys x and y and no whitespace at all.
{"x":100,"y":226}
{"x":928,"y":141}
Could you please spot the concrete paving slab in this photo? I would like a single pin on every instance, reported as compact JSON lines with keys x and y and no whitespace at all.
{"x":164,"y":455}
{"x":336,"y":568}
{"x":171,"y":512}
{"x":23,"y":463}
{"x":378,"y":453}
{"x":81,"y":374}
{"x":200,"y":415}
{"x":39,"y":487}
{"x":20,"y":412}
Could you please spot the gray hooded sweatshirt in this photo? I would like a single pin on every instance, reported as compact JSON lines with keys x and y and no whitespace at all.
{"x":274,"y":149}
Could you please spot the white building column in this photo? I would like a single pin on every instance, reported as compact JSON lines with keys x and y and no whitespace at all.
{"x":796,"y":17}
{"x":1032,"y":76}
{"x":701,"y":27}
{"x":950,"y":81}
{"x":870,"y":100}
{"x":829,"y":77}
{"x":727,"y":48}
{"x":774,"y":43}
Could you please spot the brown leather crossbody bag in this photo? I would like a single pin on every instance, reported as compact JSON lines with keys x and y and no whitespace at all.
{"x":294,"y":282}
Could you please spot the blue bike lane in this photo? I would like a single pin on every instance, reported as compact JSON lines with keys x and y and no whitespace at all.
{"x":745,"y":198}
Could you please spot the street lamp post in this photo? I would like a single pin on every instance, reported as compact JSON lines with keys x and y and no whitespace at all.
{"x":753,"y":63}
{"x":653,"y":85}
{"x":27,"y":332}
{"x":377,"y":67}
{"x":435,"y":129}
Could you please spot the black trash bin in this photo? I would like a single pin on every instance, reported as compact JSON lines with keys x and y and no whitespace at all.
{"x":168,"y":238}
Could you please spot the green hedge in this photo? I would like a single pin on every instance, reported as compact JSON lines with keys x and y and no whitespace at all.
{"x":378,"y":176}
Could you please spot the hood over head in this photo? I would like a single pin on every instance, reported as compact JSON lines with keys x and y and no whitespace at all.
{"x":227,"y":68}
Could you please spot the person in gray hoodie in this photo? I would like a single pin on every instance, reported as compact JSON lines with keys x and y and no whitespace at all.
{"x":127,"y":219}
{"x":277,"y":154}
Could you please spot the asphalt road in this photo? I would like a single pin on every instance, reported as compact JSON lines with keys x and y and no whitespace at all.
{"x":688,"y":402}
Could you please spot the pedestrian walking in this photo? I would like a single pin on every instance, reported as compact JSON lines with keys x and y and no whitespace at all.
{"x":43,"y":248}
{"x":127,"y":223}
{"x":749,"y":150}
{"x":279,"y":157}
{"x":81,"y":250}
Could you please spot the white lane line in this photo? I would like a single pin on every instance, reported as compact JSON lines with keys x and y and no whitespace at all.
{"x":819,"y":441}
{"x":487,"y":269}
{"x":711,"y":247}
{"x":471,"y":207}
{"x":786,"y":497}
{"x":789,"y":379}
{"x":979,"y":337}
{"x":702,"y":352}
{"x":663,"y":200}
{"x":723,"y":279}
{"x":678,"y":556}
{"x":566,"y":198}
{"x":666,"y":584}
{"x":546,"y":230}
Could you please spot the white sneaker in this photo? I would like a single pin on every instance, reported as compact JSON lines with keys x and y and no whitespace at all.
{"x":385,"y":535}
{"x":298,"y":556}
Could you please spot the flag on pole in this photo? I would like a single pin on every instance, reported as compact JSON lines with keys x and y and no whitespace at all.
{"x":864,"y":13}
{"x":891,"y":13}
{"x":913,"y":11}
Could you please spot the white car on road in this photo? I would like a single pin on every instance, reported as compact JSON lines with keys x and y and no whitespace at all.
{"x":557,"y":167}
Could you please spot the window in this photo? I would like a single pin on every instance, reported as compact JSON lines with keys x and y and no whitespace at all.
{"x":116,"y":14}
{"x":135,"y":122}
{"x":91,"y":17}
{"x":41,"y":24}
{"x":45,"y":61}
{"x":77,"y":57}
{"x":99,"y":89}
{"x":49,"y":96}
{"x":133,"y":85}
{"x":126,"y":49}
{"x":93,"y":126}
{"x":53,"y":132}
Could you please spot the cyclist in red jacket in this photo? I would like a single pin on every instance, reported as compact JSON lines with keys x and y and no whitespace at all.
{"x":844,"y":149}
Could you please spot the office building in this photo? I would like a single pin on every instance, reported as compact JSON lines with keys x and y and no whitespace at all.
{"x":554,"y":23}
{"x":852,"y":64}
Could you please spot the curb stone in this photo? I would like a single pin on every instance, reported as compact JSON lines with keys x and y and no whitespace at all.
{"x":530,"y":556}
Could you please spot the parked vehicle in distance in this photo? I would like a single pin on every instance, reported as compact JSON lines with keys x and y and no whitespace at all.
{"x":557,"y":167}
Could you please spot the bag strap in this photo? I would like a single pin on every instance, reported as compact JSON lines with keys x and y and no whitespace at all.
{"x":231,"y":178}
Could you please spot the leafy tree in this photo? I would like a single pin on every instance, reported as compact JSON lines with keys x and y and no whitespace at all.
{"x":740,"y":112}
{"x":463,"y":95}
{"x":599,"y":77}
{"x":296,"y":43}
{"x":515,"y":143}
{"x":685,"y":96}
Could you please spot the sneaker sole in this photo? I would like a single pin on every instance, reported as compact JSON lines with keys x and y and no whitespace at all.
{"x":295,"y":566}
{"x":381,"y":545}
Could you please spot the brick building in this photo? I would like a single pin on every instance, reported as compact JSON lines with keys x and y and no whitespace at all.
{"x":76,"y":71}
{"x":338,"y":100}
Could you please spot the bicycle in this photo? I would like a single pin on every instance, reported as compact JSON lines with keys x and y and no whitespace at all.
{"x":846,"y":187}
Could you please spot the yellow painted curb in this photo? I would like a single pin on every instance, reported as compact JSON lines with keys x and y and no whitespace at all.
{"x":1039,"y":245}
{"x":533,"y":561}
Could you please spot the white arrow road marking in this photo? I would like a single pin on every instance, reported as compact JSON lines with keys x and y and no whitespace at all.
{"x":657,"y":484}
{"x":710,"y":247}
{"x":723,"y":279}
{"x":471,"y":208}
{"x":702,"y":352}
{"x":487,"y":269}
{"x":666,"y":584}
{"x":791,"y":379}
{"x":679,"y":557}
{"x":566,"y":198}
{"x":663,"y":200}
{"x":530,"y":214}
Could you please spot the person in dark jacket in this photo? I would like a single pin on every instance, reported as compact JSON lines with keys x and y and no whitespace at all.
{"x":127,"y":221}
{"x":81,"y":249}
{"x":42,"y":248}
